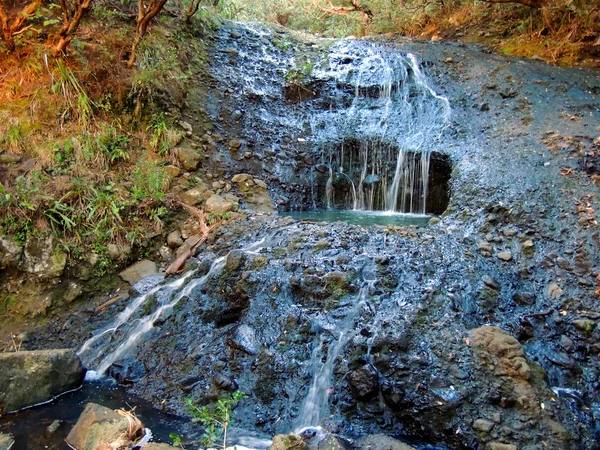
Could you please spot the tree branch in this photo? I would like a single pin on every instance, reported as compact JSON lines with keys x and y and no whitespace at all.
{"x":530,"y":3}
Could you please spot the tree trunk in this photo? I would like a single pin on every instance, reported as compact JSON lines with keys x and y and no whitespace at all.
{"x":145,"y":15}
{"x":6,"y":33}
{"x":70,"y":27}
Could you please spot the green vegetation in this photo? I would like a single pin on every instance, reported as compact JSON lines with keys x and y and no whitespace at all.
{"x":216,"y":417}
{"x":560,"y":31}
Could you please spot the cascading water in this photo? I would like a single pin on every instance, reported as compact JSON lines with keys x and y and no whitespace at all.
{"x":378,"y":149}
{"x":99,"y":352}
{"x":315,"y":405}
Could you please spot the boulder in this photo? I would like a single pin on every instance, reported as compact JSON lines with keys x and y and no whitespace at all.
{"x":139,"y":270}
{"x":254,"y":192}
{"x":10,"y":252}
{"x":28,"y":378}
{"x":6,"y":441}
{"x":188,"y":157}
{"x":174,"y":239}
{"x":43,"y":257}
{"x":196,"y":195}
{"x":380,"y":442}
{"x":216,"y":203}
{"x":333,"y":442}
{"x":99,"y":427}
{"x":364,"y":382}
{"x":288,"y":442}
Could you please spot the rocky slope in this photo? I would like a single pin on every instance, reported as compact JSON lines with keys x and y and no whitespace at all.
{"x":479,"y":331}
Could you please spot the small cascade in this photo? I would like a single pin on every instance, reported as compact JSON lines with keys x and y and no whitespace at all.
{"x":378,"y":149}
{"x":99,"y":352}
{"x":315,"y":405}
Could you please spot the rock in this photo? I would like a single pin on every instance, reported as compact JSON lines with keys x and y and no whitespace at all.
{"x":485,"y":426}
{"x":139,"y":270}
{"x":586,"y":325}
{"x":127,"y":371}
{"x":484,"y":248}
{"x":500,"y":446}
{"x":54,"y":426}
{"x":186,"y":126}
{"x":364,"y":382}
{"x":10,"y":252}
{"x":195,"y":196}
{"x":245,"y":340}
{"x":174,"y":239}
{"x":6,"y":440}
{"x":254,"y":192}
{"x":217,"y":204}
{"x":118,"y":252}
{"x":288,"y":442}
{"x":43,"y":257}
{"x":500,"y":352}
{"x":235,"y":144}
{"x":380,"y":442}
{"x":172,"y":171}
{"x":159,"y":446}
{"x":9,"y":158}
{"x":188,"y":157}
{"x":527,"y":247}
{"x":97,"y":428}
{"x":504,"y":256}
{"x":166,"y":254}
{"x":491,"y":283}
{"x":333,"y":442}
{"x":28,"y":378}
{"x":234,"y":260}
{"x":434,"y":220}
{"x":554,"y":291}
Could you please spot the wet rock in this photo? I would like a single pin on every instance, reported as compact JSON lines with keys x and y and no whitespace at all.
{"x":504,"y":256}
{"x":216,"y":203}
{"x":288,"y":442}
{"x":485,"y":426}
{"x":234,"y":260}
{"x":380,"y":442}
{"x":127,"y":371}
{"x":585,"y":325}
{"x":364,"y":382}
{"x":393,"y":396}
{"x":55,"y":425}
{"x":528,"y":248}
{"x":6,"y":440}
{"x":43,"y":257}
{"x":174,"y":239}
{"x":10,"y":252}
{"x":235,"y":144}
{"x":484,"y":248}
{"x":139,"y":270}
{"x":97,"y":427}
{"x":554,"y":291}
{"x":500,"y":446}
{"x":188,"y":157}
{"x":245,"y":340}
{"x":333,"y":442}
{"x":31,"y":377}
{"x":491,"y":283}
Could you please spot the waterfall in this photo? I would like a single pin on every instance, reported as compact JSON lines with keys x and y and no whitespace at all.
{"x":380,"y":145}
{"x":99,"y":352}
{"x":315,"y":405}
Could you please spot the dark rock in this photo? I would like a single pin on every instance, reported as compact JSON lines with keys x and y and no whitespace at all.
{"x":364,"y":382}
{"x":234,"y":260}
{"x":28,"y":378}
{"x":380,"y":442}
{"x":127,"y":371}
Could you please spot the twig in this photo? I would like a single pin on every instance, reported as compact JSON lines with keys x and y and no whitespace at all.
{"x":540,"y":314}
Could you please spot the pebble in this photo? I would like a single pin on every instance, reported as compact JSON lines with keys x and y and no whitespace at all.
{"x":505,"y":256}
{"x":483,"y":425}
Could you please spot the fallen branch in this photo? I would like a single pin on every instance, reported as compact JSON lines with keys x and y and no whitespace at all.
{"x":110,"y":302}
{"x":540,"y":314}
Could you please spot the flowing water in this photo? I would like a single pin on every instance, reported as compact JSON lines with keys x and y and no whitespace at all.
{"x":119,"y":339}
{"x":378,"y":149}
